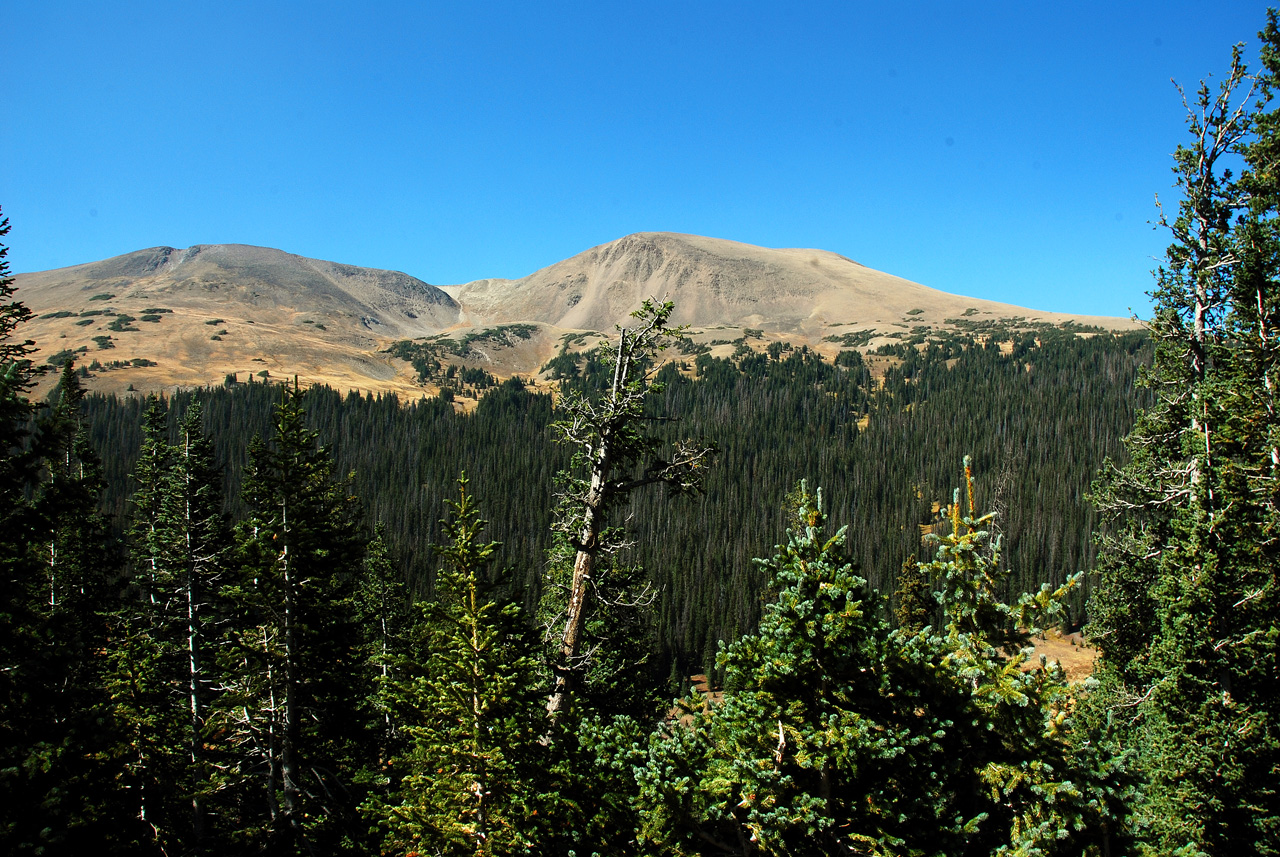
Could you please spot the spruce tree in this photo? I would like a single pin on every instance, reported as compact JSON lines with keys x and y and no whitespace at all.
{"x":472,"y":709}
{"x":385,"y":616}
{"x":203,"y":556}
{"x":841,"y":735}
{"x":17,"y":376}
{"x":144,"y":670}
{"x":1184,"y":613}
{"x":288,"y":708}
{"x":62,"y":778}
{"x":914,"y":605}
{"x":19,"y":571}
{"x":56,"y":561}
{"x":160,"y":678}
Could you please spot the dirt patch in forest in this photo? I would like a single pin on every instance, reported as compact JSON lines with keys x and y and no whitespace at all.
{"x":1069,"y":650}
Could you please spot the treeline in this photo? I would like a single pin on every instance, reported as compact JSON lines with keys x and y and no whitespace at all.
{"x":1039,"y":421}
{"x":264,"y":682}
{"x":238,"y":664}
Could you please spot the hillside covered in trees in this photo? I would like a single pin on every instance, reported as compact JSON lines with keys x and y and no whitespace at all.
{"x":307,"y":631}
{"x":1039,"y":419}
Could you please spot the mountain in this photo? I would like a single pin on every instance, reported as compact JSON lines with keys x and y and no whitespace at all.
{"x":714,"y":282}
{"x":259,"y":277}
{"x":165,"y":318}
{"x":206,"y":311}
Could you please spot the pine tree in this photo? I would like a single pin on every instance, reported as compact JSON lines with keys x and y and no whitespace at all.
{"x":841,"y":735}
{"x":609,"y":445}
{"x":288,"y":707}
{"x":1184,"y":613}
{"x":472,"y":710}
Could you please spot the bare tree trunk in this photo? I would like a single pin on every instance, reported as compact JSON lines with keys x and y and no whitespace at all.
{"x":576,"y":612}
{"x":575,"y":615}
{"x":588,"y":543}
{"x":608,"y":437}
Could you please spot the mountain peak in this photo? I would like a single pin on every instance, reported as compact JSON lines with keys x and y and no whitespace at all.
{"x":196,"y":314}
{"x":715,"y":282}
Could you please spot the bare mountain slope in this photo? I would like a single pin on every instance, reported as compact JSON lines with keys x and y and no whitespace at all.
{"x":163,"y":318}
{"x":210,"y":274}
{"x":227,"y":308}
{"x":717,"y":282}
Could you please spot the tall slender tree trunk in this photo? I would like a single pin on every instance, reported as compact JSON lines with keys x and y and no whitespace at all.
{"x":273,"y":737}
{"x":576,"y":611}
{"x":289,"y":748}
{"x":195,"y":722}
{"x":608,"y":436}
{"x":481,"y":786}
{"x":53,"y":576}
{"x":588,"y":543}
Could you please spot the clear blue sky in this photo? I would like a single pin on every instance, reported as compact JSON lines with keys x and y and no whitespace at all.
{"x":1003,"y":150}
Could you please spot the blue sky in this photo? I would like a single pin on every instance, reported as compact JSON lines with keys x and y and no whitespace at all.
{"x":1004,"y":150}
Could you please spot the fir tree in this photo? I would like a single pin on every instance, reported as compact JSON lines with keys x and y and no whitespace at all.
{"x":1184,"y":613}
{"x":19,"y":571}
{"x":144,"y":670}
{"x":160,"y":678}
{"x":56,"y":761}
{"x":287,"y":707}
{"x":62,"y":777}
{"x":385,"y":615}
{"x":17,"y":375}
{"x":203,"y":554}
{"x":472,"y":713}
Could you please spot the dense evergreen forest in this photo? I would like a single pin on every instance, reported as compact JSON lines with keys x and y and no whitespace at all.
{"x":264,"y":620}
{"x":1039,"y":418}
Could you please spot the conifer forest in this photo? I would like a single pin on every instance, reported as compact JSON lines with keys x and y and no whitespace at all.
{"x":260,"y":619}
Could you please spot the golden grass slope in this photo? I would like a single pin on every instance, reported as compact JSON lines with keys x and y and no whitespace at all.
{"x":232,"y":309}
{"x":726,"y":283}
{"x":224,"y":309}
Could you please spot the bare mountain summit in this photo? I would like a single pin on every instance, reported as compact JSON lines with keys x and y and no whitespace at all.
{"x":714,"y":282}
{"x":257,"y":277}
{"x":205,"y":312}
{"x":164,"y":318}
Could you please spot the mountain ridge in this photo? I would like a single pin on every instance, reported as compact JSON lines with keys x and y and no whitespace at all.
{"x":206,"y":312}
{"x":716,"y":281}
